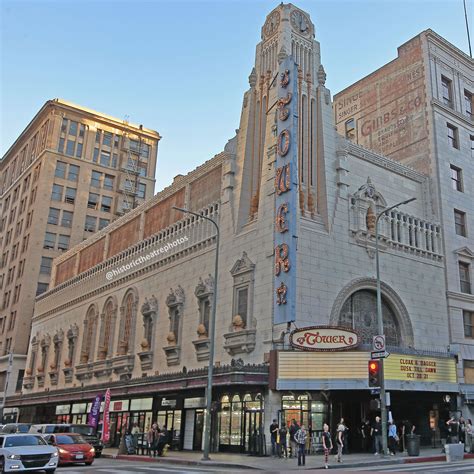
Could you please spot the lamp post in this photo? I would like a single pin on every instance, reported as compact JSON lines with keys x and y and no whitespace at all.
{"x":383,"y":400}
{"x":212,"y":330}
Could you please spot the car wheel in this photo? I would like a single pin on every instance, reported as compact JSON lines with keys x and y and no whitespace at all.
{"x":89,"y":463}
{"x":98,"y":455}
{"x":2,"y":465}
{"x":50,"y":471}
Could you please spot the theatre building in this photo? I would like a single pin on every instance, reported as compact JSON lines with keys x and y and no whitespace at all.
{"x":128,"y":309}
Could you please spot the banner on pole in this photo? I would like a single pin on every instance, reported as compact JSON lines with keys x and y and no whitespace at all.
{"x":94,"y":414}
{"x":106,"y":421}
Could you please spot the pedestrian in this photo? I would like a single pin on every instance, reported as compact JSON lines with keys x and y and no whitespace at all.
{"x":392,"y":438}
{"x":327,"y":444}
{"x":340,"y":434}
{"x":408,"y":428}
{"x":453,"y":431}
{"x":283,"y":445}
{"x":469,"y":433}
{"x":152,"y":440}
{"x":462,"y":430}
{"x":376,"y":433}
{"x":293,"y":429}
{"x":300,"y":438}
{"x":273,"y":437}
{"x":135,"y":434}
{"x":364,"y":431}
{"x":162,"y":440}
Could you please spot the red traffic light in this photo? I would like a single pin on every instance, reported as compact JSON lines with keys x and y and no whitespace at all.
{"x":374,"y":373}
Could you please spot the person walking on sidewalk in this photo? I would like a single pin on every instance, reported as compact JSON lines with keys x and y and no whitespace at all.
{"x":273,"y":437}
{"x":392,"y":438}
{"x":293,"y":429}
{"x":376,"y":433}
{"x":152,"y":440}
{"x":300,"y":438}
{"x":327,"y":444}
{"x":462,"y":430}
{"x":340,"y":434}
{"x":283,"y":453}
{"x":469,"y":433}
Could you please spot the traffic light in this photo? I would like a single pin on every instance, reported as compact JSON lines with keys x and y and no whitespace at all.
{"x":374,"y":373}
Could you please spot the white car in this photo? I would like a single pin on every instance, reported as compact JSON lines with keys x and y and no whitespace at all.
{"x":26,"y":452}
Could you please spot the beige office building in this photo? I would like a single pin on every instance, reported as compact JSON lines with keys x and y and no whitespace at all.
{"x":69,"y":174}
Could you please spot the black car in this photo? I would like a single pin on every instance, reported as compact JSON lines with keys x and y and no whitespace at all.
{"x":89,"y":434}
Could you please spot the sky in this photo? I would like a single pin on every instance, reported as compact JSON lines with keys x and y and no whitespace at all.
{"x":181,"y":67}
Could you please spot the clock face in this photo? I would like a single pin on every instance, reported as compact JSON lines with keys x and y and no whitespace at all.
{"x":300,"y":22}
{"x":271,"y":25}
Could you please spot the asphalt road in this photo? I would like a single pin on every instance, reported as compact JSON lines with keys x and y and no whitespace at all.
{"x":111,"y":466}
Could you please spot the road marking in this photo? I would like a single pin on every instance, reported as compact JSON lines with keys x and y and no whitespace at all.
{"x":426,"y":467}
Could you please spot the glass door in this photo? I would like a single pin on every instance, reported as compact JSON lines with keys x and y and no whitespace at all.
{"x":198,"y":429}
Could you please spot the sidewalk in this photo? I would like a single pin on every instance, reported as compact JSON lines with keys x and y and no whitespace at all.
{"x":267,"y":463}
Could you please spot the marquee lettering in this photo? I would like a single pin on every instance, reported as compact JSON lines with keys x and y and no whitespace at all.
{"x":282,"y":262}
{"x":280,"y":222}
{"x":282,"y":179}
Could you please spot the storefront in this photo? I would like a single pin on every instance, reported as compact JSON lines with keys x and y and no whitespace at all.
{"x":319,"y":387}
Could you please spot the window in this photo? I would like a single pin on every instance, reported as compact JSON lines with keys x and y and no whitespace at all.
{"x":63,"y":242}
{"x":60,"y":171}
{"x":106,"y":204}
{"x":460,"y":222}
{"x":67,"y":219}
{"x":468,"y":318}
{"x":53,"y":216}
{"x":242,"y":303}
{"x":95,"y":158}
{"x":472,"y":146}
{"x":453,"y":136}
{"x":116,"y":140}
{"x":93,"y":201}
{"x":73,"y":128}
{"x":96,"y":179}
{"x":61,"y":145}
{"x":141,"y":190}
{"x":57,"y":193}
{"x":350,"y":129}
{"x":70,"y":147}
{"x":446,"y":88}
{"x":468,"y":103}
{"x":73,"y":174}
{"x":103,"y":223}
{"x":41,"y":288}
{"x":108,"y":182}
{"x":64,"y":125}
{"x":456,"y":178}
{"x":107,"y":139}
{"x":79,"y":150}
{"x":82,"y":129}
{"x":49,"y":240}
{"x":46,"y":264}
{"x":142,"y":169}
{"x":464,"y":277}
{"x":105,"y":158}
{"x":90,"y":224}
{"x":70,"y":196}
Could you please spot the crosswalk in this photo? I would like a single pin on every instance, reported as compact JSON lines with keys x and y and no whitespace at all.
{"x":115,"y":468}
{"x":423,"y":468}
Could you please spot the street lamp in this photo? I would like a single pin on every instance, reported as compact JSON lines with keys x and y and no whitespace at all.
{"x":383,"y":400}
{"x":212,"y":330}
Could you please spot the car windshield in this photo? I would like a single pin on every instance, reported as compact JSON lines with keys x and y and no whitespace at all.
{"x":27,"y":440}
{"x":67,"y":439}
{"x":83,"y":430}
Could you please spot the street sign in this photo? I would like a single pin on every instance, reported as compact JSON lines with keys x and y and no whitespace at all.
{"x":378,"y":343}
{"x":375,"y":391}
{"x":379,"y":354}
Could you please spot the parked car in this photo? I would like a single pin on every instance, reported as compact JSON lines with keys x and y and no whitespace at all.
{"x":15,"y":428}
{"x":26,"y":452}
{"x":90,"y":435}
{"x":87,"y":432}
{"x":72,"y":447}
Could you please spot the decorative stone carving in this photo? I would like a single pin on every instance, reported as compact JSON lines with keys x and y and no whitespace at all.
{"x":149,"y":312}
{"x":201,"y":331}
{"x":370,"y":220}
{"x":123,"y":366}
{"x":175,"y":303}
{"x":321,"y":75}
{"x":102,"y":368}
{"x":238,"y":323}
{"x":240,"y":342}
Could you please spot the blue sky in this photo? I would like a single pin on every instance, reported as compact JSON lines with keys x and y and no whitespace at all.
{"x":181,"y":67}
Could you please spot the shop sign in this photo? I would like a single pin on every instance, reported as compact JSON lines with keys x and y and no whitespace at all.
{"x":197,"y":402}
{"x":324,"y":338}
{"x":168,"y":403}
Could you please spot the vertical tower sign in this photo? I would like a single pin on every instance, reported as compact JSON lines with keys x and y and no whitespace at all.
{"x":286,"y":192}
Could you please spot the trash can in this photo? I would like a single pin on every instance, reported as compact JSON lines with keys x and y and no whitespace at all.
{"x":413,"y":445}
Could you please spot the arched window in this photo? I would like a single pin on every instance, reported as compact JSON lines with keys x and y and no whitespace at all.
{"x":107,"y":329}
{"x":127,"y":325}
{"x":88,"y":337}
{"x":359,"y":312}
